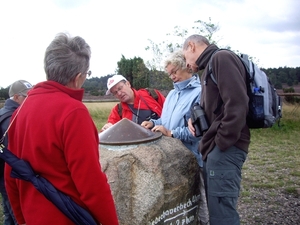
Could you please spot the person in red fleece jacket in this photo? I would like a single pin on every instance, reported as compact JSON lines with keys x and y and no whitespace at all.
{"x":136,"y":105}
{"x":55,"y":133}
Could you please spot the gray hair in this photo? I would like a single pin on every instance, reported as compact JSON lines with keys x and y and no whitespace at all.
{"x":66,"y":57}
{"x":177,"y":59}
{"x":196,"y":38}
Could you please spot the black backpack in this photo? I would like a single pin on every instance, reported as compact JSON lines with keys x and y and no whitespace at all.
{"x":264,"y":103}
{"x":2,"y":118}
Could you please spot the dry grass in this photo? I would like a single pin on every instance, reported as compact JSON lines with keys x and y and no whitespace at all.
{"x":100,"y":105}
{"x":100,"y":111}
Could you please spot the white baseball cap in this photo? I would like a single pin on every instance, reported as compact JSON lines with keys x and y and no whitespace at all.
{"x":113,"y":81}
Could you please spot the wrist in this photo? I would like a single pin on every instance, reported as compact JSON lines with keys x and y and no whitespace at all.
{"x":152,"y":124}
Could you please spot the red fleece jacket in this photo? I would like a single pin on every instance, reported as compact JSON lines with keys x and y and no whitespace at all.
{"x":55,"y":133}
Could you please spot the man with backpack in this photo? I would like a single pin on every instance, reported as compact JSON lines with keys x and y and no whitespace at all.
{"x":224,"y":146}
{"x":17,"y":94}
{"x":136,"y":105}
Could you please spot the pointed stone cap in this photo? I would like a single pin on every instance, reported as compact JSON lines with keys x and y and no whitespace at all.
{"x":127,"y":132}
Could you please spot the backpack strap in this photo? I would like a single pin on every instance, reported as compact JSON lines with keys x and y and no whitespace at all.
{"x":120,"y":109}
{"x":151,"y":92}
{"x":210,"y":72}
{"x":5,"y":116}
{"x":2,"y":118}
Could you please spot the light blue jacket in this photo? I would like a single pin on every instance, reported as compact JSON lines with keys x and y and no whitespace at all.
{"x":176,"y":112}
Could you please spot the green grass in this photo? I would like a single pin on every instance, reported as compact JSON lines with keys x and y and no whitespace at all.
{"x":99,"y":112}
{"x":99,"y":117}
{"x":273,"y":161}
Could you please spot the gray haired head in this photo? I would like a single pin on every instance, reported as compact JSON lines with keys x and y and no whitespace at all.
{"x":176,"y":59}
{"x":66,"y":57}
{"x":196,"y":38}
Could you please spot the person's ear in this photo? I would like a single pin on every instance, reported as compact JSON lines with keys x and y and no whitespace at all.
{"x":76,"y":80}
{"x":192,"y":46}
{"x":15,"y":97}
{"x":128,"y":83}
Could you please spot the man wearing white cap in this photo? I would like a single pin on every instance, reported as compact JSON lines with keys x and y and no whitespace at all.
{"x":136,"y":105}
{"x":17,"y":94}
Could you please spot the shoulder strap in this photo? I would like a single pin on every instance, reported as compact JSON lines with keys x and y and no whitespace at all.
{"x":120,"y":109}
{"x":152,"y":93}
{"x":213,"y":78}
{"x":249,"y":66}
{"x":5,"y":116}
{"x":2,"y":118}
{"x":210,"y":72}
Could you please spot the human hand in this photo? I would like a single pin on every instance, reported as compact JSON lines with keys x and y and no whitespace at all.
{"x":163,"y":130}
{"x":147,"y":124}
{"x":106,"y":126}
{"x":191,"y":127}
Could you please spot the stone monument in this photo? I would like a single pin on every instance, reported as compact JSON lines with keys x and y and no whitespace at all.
{"x":154,"y":179}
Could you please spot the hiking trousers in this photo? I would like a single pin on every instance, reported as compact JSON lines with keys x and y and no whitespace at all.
{"x":222,"y":171}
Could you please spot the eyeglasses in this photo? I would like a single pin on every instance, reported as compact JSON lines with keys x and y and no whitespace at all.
{"x":173,"y":72}
{"x":118,"y":89}
{"x":89,"y":73}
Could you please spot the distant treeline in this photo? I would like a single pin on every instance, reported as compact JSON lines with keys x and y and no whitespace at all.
{"x":142,"y":78}
{"x":97,"y":85}
{"x":159,"y":80}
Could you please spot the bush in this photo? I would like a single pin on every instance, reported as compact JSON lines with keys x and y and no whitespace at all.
{"x":290,"y":99}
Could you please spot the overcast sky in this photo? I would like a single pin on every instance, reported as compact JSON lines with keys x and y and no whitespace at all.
{"x":265,"y":29}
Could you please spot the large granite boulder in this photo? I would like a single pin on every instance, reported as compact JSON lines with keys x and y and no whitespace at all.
{"x":153,"y":182}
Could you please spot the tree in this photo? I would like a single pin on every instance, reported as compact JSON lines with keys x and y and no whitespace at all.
{"x":176,"y":39}
{"x":290,"y":82}
{"x":4,"y":93}
{"x":125,"y":68}
{"x":282,"y":76}
{"x":207,"y":29}
{"x":278,"y":85}
{"x":272,"y":77}
{"x":96,"y":86}
{"x":159,"y":80}
{"x":135,"y":71}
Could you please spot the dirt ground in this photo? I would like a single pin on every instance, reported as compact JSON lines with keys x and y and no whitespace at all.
{"x":269,"y":206}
